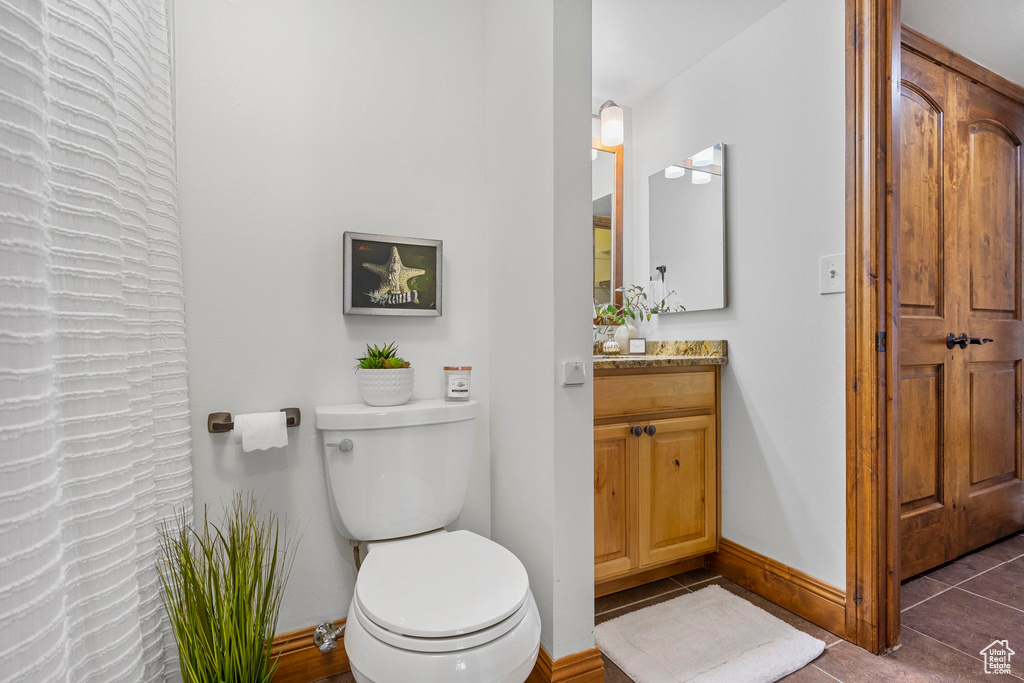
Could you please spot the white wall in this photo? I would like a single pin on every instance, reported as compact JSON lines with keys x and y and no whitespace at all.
{"x":540,"y":298}
{"x":297,"y":121}
{"x":775,"y":95}
{"x":572,"y":311}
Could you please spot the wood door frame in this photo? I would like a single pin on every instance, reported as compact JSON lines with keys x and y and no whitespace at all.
{"x":872,"y":329}
{"x":942,"y":55}
{"x":617,"y":209}
{"x":875,"y":36}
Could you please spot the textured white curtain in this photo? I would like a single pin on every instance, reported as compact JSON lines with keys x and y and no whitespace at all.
{"x":94,"y":431}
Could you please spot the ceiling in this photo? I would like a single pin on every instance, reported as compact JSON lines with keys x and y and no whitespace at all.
{"x":640,"y":45}
{"x":991,"y":32}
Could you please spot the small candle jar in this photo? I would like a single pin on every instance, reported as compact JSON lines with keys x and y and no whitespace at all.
{"x":456,"y":382}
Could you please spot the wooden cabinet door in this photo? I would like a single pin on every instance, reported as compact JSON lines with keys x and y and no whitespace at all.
{"x":678,"y":489}
{"x":615,"y":500}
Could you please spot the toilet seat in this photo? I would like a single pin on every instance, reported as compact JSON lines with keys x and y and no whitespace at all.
{"x":439,"y":645}
{"x":442,"y":592}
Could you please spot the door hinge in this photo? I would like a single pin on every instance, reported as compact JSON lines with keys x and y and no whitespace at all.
{"x":857,"y":597}
{"x":880,"y":341}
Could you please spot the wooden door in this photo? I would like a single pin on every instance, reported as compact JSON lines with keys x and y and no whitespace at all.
{"x":929,"y":384}
{"x":678,"y":489}
{"x":991,"y":127}
{"x":615,"y":495}
{"x":960,"y":272}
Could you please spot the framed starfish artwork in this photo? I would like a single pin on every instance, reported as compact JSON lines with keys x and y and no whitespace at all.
{"x":387,"y":275}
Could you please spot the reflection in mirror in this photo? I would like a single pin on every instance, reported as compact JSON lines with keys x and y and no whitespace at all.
{"x":607,"y":217}
{"x":603,"y":249}
{"x":687,"y":230}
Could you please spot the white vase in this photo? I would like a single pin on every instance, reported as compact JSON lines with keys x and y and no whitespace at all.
{"x":622,"y":336}
{"x":388,"y":387}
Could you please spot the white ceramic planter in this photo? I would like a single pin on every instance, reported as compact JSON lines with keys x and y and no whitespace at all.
{"x":385,"y":387}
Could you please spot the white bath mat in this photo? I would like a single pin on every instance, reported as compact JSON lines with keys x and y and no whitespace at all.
{"x":710,"y":636}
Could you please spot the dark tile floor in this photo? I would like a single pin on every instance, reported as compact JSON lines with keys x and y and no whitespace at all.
{"x":949,"y":615}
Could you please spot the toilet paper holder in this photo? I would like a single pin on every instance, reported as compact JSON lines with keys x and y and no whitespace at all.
{"x":218,"y":423}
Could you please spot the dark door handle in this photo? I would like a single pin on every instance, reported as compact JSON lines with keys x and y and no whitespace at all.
{"x":962,"y":341}
{"x":650,"y":429}
{"x":636,"y":431}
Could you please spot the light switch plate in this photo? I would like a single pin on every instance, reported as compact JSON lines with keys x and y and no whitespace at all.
{"x":574,"y":373}
{"x":832,"y":274}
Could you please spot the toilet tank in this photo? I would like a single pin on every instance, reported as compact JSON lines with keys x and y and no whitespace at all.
{"x":405,"y":470}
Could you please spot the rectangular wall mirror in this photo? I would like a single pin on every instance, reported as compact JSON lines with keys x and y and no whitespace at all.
{"x":607,"y":232}
{"x":687,"y":229}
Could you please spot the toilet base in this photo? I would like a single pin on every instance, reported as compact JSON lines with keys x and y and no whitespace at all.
{"x":517,"y":676}
{"x":507,"y":659}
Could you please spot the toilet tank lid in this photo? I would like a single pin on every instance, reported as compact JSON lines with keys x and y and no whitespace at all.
{"x":421,"y":412}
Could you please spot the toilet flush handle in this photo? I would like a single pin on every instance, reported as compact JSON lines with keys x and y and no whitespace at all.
{"x":345,"y":445}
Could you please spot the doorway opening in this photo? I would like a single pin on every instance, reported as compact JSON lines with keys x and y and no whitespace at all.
{"x":934,"y":237}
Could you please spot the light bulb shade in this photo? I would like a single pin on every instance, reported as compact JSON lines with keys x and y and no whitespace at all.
{"x":675,"y":171}
{"x":705,"y":157}
{"x":595,"y":127}
{"x":701,"y":178}
{"x":612,"y":126}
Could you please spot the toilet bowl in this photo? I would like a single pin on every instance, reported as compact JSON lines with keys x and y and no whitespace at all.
{"x":429,"y":606}
{"x":445,"y":607}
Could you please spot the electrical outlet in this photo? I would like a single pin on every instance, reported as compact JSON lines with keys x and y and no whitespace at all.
{"x":832,"y":274}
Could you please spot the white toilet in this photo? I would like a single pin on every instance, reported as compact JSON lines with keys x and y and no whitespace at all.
{"x":429,"y":606}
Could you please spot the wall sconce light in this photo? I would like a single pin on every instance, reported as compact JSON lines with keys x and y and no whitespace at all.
{"x":701,"y":178}
{"x":675,"y":171}
{"x":612,"y":126}
{"x":705,"y":157}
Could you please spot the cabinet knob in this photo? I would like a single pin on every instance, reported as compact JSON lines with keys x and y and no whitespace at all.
{"x":650,"y":429}
{"x":637,"y":431}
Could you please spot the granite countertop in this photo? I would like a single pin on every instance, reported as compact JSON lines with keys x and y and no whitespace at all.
{"x":662,"y":354}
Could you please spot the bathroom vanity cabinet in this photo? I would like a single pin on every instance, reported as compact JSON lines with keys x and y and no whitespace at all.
{"x":656,"y":470}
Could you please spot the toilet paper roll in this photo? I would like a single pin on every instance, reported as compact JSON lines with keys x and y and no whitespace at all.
{"x":259,"y":431}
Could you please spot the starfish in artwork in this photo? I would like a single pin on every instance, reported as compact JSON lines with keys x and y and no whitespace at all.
{"x":394,"y":276}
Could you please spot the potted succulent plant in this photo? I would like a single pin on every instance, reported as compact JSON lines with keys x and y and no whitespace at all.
{"x":384,"y":378}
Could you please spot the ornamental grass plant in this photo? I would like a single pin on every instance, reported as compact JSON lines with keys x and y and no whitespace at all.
{"x":222,"y":589}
